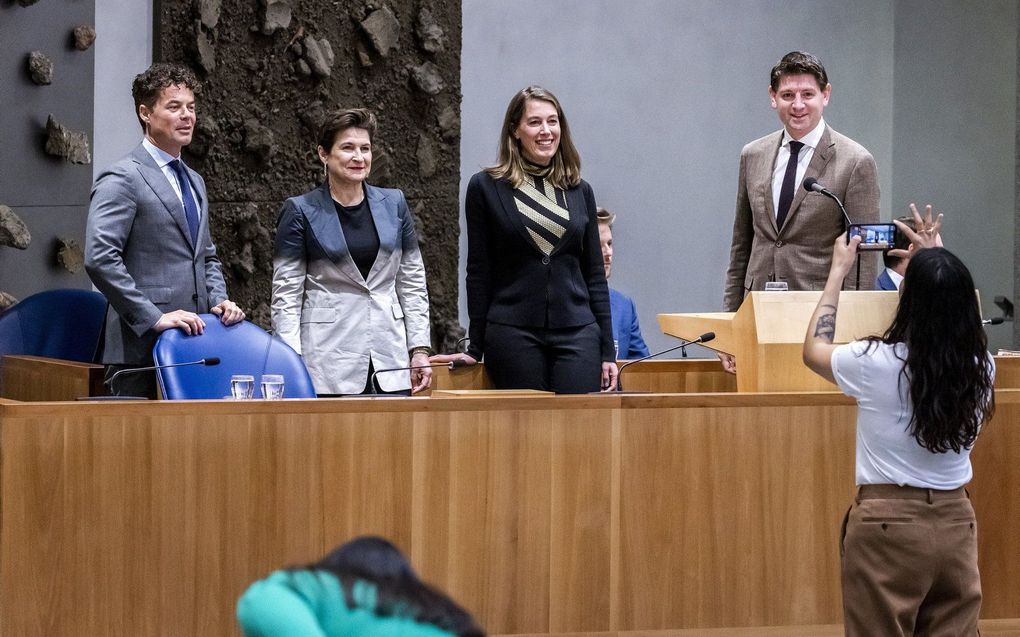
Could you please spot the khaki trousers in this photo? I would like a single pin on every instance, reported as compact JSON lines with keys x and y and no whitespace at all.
{"x":909,"y":561}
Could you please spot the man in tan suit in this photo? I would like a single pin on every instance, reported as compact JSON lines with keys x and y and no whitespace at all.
{"x":781,"y":232}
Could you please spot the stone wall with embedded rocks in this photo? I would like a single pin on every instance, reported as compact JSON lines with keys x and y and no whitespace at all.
{"x":271,"y":68}
{"x":46,"y":71}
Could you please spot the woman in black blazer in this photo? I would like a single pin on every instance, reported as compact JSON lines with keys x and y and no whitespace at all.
{"x":537,"y":294}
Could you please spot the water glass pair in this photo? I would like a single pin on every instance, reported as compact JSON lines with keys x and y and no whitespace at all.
{"x":242,"y":386}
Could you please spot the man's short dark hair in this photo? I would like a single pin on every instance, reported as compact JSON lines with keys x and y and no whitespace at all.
{"x":901,"y":243}
{"x":147,"y":86}
{"x":799,"y":63}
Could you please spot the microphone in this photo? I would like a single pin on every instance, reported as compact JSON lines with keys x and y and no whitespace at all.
{"x":1006,"y":306}
{"x":998,"y":320}
{"x":811,"y":185}
{"x":212,"y":360}
{"x":451,"y":365}
{"x":704,"y":338}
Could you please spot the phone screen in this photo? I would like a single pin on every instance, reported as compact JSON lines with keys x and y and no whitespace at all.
{"x":874,"y":236}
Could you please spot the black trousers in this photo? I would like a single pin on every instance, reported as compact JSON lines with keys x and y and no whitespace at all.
{"x":563,"y":360}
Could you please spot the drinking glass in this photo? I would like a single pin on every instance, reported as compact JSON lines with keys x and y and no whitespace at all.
{"x":242,"y":386}
{"x":272,"y":386}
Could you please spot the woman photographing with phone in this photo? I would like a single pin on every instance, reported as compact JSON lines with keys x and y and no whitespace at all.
{"x":923,"y":390}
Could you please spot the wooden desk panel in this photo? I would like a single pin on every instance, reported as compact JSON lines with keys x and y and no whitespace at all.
{"x":1007,"y":372}
{"x":689,"y":375}
{"x":543,"y":515}
{"x":32,"y":378}
{"x":727,"y":509}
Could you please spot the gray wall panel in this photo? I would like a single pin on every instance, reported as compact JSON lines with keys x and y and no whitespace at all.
{"x":955,"y":132}
{"x":29,"y":176}
{"x":123,"y":50}
{"x":49,"y":194}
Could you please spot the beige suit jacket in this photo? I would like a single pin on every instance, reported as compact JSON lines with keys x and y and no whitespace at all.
{"x":800,"y":253}
{"x":331,"y":315}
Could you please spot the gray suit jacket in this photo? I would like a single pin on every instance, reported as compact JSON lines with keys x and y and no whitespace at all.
{"x":801,"y":253}
{"x":328,"y":312}
{"x":139,"y":254}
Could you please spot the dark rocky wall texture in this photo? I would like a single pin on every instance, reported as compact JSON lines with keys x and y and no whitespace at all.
{"x":270,"y":69}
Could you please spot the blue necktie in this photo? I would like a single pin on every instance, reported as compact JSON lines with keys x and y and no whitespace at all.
{"x":786,"y":191}
{"x":190,"y":210}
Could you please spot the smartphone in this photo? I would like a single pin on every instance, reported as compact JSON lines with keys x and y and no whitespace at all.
{"x":874,"y":236}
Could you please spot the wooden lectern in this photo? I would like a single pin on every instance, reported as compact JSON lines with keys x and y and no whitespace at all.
{"x":766,"y":335}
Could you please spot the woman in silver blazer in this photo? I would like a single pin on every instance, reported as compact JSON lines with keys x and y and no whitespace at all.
{"x":348,"y":279}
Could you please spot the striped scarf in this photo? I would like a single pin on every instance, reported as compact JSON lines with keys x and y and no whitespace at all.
{"x":544,"y":210}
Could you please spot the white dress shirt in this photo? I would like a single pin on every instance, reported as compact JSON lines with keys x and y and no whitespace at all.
{"x":163,"y":160}
{"x":810,"y":142}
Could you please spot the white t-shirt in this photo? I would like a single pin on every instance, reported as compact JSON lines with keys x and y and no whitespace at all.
{"x":886,"y":451}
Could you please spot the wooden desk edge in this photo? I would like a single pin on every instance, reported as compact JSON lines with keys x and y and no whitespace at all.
{"x":13,"y":408}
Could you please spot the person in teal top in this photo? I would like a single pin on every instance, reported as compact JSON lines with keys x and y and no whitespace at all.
{"x":365,"y":587}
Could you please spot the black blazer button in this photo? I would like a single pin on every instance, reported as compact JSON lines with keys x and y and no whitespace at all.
{"x":194,"y":297}
{"x":779,"y":244}
{"x":545,"y":260}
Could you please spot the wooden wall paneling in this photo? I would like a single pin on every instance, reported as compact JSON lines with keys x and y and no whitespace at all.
{"x":662,"y":376}
{"x":432,"y":522}
{"x":277,"y":468}
{"x":33,"y":492}
{"x":547,"y":515}
{"x":728,"y":517}
{"x":35,"y":378}
{"x":473,"y":377}
{"x":679,"y":376}
{"x":458,"y":534}
{"x":366,"y":475}
{"x":580,"y":534}
{"x":1007,"y":372}
{"x":513,"y":451}
{"x":994,"y":492}
{"x":615,"y":524}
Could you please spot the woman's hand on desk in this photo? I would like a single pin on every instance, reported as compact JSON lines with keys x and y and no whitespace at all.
{"x":729,"y":363}
{"x":459,"y":359}
{"x":420,"y":378}
{"x":609,"y":374}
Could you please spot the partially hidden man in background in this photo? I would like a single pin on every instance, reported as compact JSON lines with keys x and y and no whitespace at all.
{"x":895,"y":266}
{"x":147,"y":242}
{"x":780,"y":231}
{"x":626,"y":329}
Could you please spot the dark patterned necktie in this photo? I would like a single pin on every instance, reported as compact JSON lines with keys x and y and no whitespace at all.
{"x":786,"y":192}
{"x":190,"y":209}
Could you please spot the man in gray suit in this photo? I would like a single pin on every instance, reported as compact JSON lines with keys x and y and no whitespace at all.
{"x":147,"y":242}
{"x":781,"y":232}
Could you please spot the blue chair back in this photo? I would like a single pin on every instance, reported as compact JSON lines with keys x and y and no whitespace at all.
{"x":62,"y":324}
{"x":243,"y":348}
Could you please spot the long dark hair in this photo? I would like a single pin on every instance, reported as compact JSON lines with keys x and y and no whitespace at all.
{"x":399,"y":591}
{"x":947,"y":366}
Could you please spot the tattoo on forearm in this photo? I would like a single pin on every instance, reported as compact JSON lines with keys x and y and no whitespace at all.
{"x":825,"y":327}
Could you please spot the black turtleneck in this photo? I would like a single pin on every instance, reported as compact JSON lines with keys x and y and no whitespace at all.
{"x":360,"y":234}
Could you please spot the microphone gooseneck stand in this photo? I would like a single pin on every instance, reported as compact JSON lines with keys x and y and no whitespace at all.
{"x":811,"y":185}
